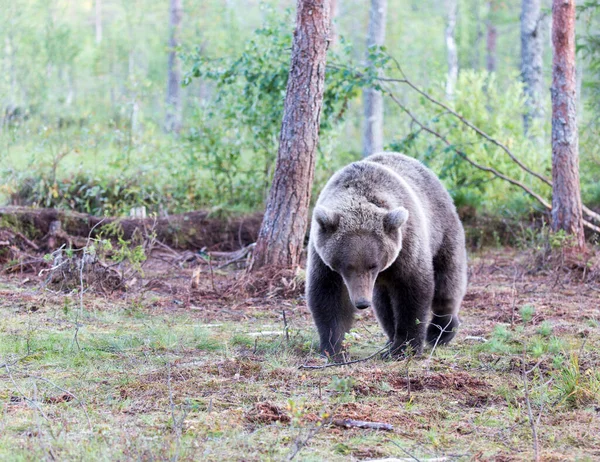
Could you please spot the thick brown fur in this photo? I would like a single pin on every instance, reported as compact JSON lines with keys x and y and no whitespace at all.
{"x":385,"y":233}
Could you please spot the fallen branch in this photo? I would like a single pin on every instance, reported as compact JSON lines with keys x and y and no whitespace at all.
{"x":346,"y":363}
{"x":349,"y":423}
{"x":31,"y":244}
{"x":233,"y":257}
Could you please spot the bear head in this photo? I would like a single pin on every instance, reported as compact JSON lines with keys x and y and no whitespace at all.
{"x":358,"y":243}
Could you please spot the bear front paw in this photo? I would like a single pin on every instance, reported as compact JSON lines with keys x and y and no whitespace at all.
{"x":334,"y":357}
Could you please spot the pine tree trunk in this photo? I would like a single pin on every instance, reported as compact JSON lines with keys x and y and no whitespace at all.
{"x":491,"y":38}
{"x":173,"y":110}
{"x":373,"y":100}
{"x":281,"y":237}
{"x":451,"y":50}
{"x":531,"y":60}
{"x":566,"y":195}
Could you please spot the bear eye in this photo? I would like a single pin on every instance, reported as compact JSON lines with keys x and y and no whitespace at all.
{"x":372,"y":267}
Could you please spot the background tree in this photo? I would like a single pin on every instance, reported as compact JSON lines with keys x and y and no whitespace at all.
{"x":173,"y":109}
{"x":491,"y":37}
{"x":281,"y":236}
{"x":333,"y":13}
{"x":98,"y":21}
{"x":373,"y":100}
{"x":531,"y":60}
{"x":566,"y":197}
{"x":451,"y":50}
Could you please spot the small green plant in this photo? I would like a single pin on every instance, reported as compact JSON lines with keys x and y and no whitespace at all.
{"x":545,"y":329}
{"x":527,"y":312}
{"x":343,"y":385}
{"x":574,"y":386}
{"x":134,"y":255}
{"x":560,"y":239}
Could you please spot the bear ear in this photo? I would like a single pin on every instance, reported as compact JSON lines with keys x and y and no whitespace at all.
{"x":327,"y":219}
{"x":394,"y":219}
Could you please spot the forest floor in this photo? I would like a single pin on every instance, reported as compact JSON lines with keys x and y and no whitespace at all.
{"x":166,"y":371}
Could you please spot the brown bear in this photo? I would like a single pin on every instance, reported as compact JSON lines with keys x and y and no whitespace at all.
{"x":385,"y":233}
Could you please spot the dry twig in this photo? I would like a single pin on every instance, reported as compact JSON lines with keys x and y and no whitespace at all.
{"x":346,"y":363}
{"x":532,"y":422}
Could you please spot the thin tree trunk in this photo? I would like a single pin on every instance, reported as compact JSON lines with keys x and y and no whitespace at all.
{"x":334,"y":33}
{"x":476,"y":61}
{"x":566,"y":195}
{"x":531,"y":60}
{"x":173,"y":112}
{"x":281,"y":236}
{"x":451,"y":50}
{"x":491,"y":38}
{"x":373,"y":99}
{"x":98,"y":20}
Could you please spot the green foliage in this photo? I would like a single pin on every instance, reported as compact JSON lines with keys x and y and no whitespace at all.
{"x":588,"y":46}
{"x":588,"y":52}
{"x":94,"y":195}
{"x":236,"y":136}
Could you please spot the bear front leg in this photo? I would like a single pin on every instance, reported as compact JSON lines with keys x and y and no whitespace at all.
{"x":411,"y":303}
{"x":330,"y":305}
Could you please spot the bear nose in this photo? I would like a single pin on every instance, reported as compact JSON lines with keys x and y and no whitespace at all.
{"x":362,"y":303}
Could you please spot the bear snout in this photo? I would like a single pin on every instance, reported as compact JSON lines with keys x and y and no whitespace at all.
{"x":362,"y":303}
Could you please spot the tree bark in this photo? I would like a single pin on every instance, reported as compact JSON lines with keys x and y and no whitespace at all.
{"x":451,"y":50}
{"x":531,"y":61}
{"x":173,"y":112}
{"x":281,"y":236}
{"x":373,"y":99}
{"x":491,"y":38}
{"x":566,"y":195}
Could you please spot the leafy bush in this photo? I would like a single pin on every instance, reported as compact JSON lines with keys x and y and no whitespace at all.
{"x":93,"y":195}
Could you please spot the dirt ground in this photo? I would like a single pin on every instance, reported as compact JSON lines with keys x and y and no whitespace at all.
{"x":188,"y":364}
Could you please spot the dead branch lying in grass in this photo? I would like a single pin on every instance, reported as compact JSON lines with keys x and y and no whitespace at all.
{"x":346,"y":363}
{"x":349,"y":423}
